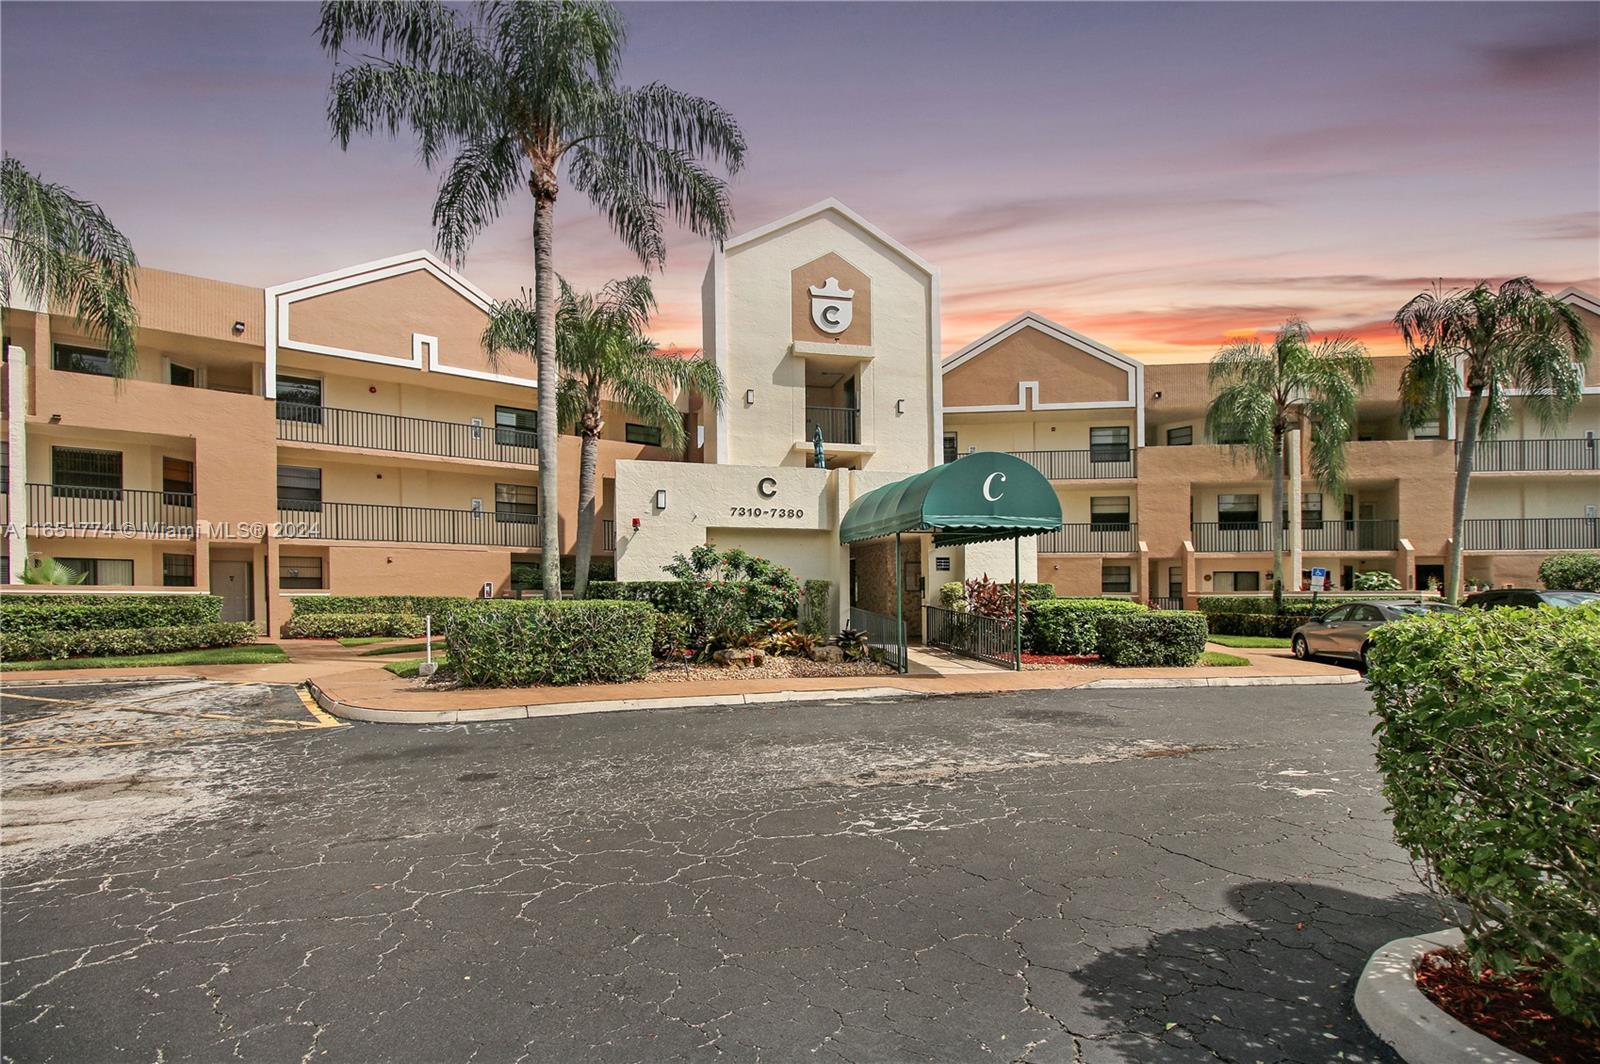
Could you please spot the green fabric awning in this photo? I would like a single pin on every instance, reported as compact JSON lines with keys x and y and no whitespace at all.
{"x":980,"y":497}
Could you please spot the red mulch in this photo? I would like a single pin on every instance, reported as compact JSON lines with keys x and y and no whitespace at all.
{"x":1512,"y":1010}
{"x":1059,"y":659}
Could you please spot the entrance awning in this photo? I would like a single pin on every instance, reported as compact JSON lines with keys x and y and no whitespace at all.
{"x":975,"y":499}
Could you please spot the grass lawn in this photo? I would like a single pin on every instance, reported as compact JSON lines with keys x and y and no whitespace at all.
{"x":259,"y":654}
{"x":1273,"y":642}
{"x":366,"y":640}
{"x":402,"y":648}
{"x":1213,"y":657}
{"x":407,"y":670}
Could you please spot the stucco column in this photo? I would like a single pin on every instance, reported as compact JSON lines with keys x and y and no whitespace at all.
{"x":1291,"y":579}
{"x":17,"y":474}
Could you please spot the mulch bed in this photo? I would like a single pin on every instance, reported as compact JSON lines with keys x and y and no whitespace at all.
{"x":774,"y":668}
{"x":1512,"y":1010}
{"x":1045,"y":662}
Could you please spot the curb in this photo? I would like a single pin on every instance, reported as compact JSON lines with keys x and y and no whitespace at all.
{"x":1223,"y":681}
{"x":13,"y":679}
{"x":1394,"y":1009}
{"x":372,"y":715}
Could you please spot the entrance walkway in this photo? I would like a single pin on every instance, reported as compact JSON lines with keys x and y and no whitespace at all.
{"x":936,"y":661}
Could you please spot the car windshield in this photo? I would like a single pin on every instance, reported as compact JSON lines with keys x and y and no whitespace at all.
{"x":1570,"y":598}
{"x":1412,"y":609}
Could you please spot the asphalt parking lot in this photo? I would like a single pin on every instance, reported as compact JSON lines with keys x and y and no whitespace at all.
{"x":1048,"y":876}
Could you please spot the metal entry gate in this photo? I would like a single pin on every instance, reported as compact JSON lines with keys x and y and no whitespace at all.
{"x":985,"y":638}
{"x":884,"y":633}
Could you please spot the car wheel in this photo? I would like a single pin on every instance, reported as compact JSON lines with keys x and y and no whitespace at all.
{"x":1364,"y":648}
{"x":1301,"y":649}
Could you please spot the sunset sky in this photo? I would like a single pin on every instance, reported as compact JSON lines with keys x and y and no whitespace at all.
{"x":1155,"y":176}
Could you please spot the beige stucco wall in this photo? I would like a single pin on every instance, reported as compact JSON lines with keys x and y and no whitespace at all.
{"x":1033,"y":432}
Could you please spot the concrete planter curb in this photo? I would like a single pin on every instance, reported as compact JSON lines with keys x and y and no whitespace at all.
{"x":1223,"y":681}
{"x":373,"y":715}
{"x":1397,"y":1011}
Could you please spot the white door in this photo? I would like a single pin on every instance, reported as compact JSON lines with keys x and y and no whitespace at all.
{"x":231,"y":580}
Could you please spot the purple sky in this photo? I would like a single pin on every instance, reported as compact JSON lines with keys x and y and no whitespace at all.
{"x":1156,"y":176}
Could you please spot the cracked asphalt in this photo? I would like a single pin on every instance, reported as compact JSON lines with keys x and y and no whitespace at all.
{"x":1045,"y":876}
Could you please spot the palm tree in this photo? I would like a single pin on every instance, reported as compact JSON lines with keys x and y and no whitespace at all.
{"x":1492,"y":341}
{"x":50,"y":571}
{"x":604,"y":355}
{"x":516,"y":92}
{"x":1262,"y":392}
{"x":61,"y":252}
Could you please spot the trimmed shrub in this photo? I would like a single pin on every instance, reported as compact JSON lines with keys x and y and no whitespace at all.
{"x":1376,"y":580}
{"x":526,"y":643}
{"x":671,"y":636}
{"x":1575,"y":571}
{"x":1281,"y":625}
{"x":1159,"y":637}
{"x":1067,"y":625}
{"x":720,"y":612}
{"x":22,"y":614}
{"x":118,"y":642}
{"x":440,"y":606}
{"x":953,"y":595}
{"x":351,"y":625}
{"x":1037,"y":593}
{"x":816,"y":615}
{"x":1489,"y":745}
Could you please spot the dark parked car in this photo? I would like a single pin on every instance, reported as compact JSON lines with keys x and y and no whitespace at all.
{"x":1345,"y":632}
{"x":1527,"y":596}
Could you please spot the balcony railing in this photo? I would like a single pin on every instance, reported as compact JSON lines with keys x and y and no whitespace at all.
{"x":1232,"y":536}
{"x":1531,"y":533}
{"x":608,"y":534}
{"x":1518,"y":456}
{"x":839,"y":424}
{"x":1097,"y":463}
{"x":125,"y":511}
{"x":1097,"y":538}
{"x":408,"y":524}
{"x":1350,"y":535}
{"x":334,"y":426}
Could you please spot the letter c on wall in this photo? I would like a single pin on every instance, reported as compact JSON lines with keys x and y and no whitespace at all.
{"x":767,"y":487}
{"x":987,"y":481}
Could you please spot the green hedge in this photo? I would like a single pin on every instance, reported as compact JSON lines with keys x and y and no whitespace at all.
{"x":719,"y":611}
{"x":1489,"y":745}
{"x":1160,"y":637}
{"x":118,"y":642}
{"x":671,"y":636}
{"x":1280,"y":625}
{"x":351,"y":625}
{"x":1067,"y":625}
{"x":23,"y":614}
{"x":440,"y":606}
{"x":816,"y":616}
{"x":1038,"y":592}
{"x":1573,"y":571}
{"x":1245,"y":615}
{"x":525,"y":643}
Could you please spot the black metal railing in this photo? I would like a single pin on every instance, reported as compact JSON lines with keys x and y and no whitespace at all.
{"x":1531,"y":533}
{"x":1096,"y":538}
{"x":839,"y":424}
{"x":608,"y":534}
{"x":1350,"y":535}
{"x":70,"y":508}
{"x":407,"y":524}
{"x":1097,"y":463}
{"x":882,"y":633}
{"x":1237,"y":536}
{"x":973,"y":635}
{"x":1516,"y":456}
{"x":334,"y":426}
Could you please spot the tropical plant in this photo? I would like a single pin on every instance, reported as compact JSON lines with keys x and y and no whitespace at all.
{"x":60,"y":252}
{"x":1494,"y":342}
{"x":985,"y":598}
{"x":1376,"y":580}
{"x":518,"y":95}
{"x":50,"y":571}
{"x":604,"y":355}
{"x":855,"y":643}
{"x":1262,"y":391}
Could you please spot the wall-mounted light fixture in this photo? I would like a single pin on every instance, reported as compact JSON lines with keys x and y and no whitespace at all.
{"x":661,"y":498}
{"x":55,"y":419}
{"x":749,"y":397}
{"x":238,"y":328}
{"x":1156,"y":396}
{"x":899,"y":406}
{"x":636,"y":524}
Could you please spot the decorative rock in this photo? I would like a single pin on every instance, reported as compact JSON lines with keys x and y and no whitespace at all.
{"x":740,"y":657}
{"x":829,"y":654}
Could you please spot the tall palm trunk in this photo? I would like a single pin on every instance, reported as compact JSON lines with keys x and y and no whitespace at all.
{"x":587,"y":462}
{"x":1466,"y":454}
{"x":544,"y":293}
{"x":1277,"y":519}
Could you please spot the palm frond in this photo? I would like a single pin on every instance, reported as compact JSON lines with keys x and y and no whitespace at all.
{"x":475,"y":187}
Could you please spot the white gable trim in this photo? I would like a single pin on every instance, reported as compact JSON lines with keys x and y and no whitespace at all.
{"x":1578,"y":297}
{"x":825,"y":206}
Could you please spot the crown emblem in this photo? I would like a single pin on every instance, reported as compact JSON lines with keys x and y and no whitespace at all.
{"x":830,"y":290}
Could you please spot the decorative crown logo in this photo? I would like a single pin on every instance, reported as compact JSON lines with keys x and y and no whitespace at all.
{"x":830,"y":290}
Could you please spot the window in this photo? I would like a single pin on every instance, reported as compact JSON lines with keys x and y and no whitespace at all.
{"x":1108,"y":513}
{"x":645,"y":434}
{"x":300,"y":571}
{"x":516,"y":427}
{"x":1116,"y":579}
{"x":299,"y":488}
{"x":952,"y":450}
{"x":1233,"y":434}
{"x":517,"y":503}
{"x":1238,"y":511}
{"x":177,"y":481}
{"x":1236,"y":581}
{"x":117,"y":572}
{"x":1310,"y":511}
{"x":82,"y":360}
{"x":941,"y":563}
{"x":1108,"y":444}
{"x":1335,"y":616}
{"x":1428,"y":430}
{"x":177,"y":570}
{"x":1181,"y":437}
{"x":79,"y":473}
{"x":182,"y":376}
{"x":300,"y":399}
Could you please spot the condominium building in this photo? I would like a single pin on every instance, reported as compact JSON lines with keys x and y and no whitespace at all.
{"x":346,"y":434}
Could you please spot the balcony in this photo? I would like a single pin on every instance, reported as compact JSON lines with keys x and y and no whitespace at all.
{"x":67,"y":509}
{"x":1531,"y":533}
{"x":1528,"y":456}
{"x":1097,"y":463}
{"x":1232,"y":537}
{"x":1101,"y":538}
{"x":839,"y":424}
{"x":337,"y":427}
{"x":407,"y":524}
{"x":1350,"y":536}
